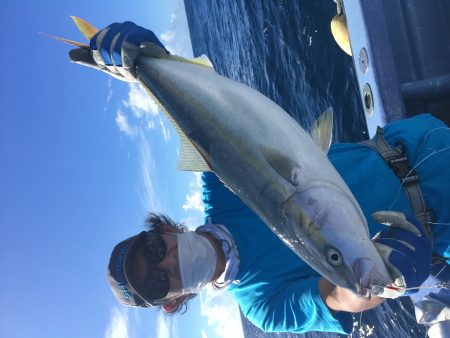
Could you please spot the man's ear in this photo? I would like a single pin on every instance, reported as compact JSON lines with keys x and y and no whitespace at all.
{"x":170,"y":228}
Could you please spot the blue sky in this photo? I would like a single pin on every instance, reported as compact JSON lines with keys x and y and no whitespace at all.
{"x":83,"y":158}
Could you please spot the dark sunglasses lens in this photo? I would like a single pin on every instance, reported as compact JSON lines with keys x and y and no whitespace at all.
{"x":157,"y":285}
{"x":155,"y":249}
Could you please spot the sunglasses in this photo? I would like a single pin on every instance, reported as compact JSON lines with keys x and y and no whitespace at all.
{"x":156,"y":282}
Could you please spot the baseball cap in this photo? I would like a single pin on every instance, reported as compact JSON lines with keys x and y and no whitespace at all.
{"x":119,"y":273}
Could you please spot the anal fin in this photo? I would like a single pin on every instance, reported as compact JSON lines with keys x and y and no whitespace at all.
{"x":190,"y":157}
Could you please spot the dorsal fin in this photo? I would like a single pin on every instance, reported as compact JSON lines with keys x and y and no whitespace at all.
{"x":150,"y":49}
{"x":199,"y":61}
{"x":322,"y":130}
{"x":190,"y":158}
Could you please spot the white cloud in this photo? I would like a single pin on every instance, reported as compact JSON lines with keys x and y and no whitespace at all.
{"x":109,"y":97}
{"x":140,"y":103}
{"x":166,"y":326}
{"x":110,"y":94}
{"x":147,"y":191}
{"x":204,"y":334}
{"x":168,"y":36}
{"x":144,"y":110}
{"x":194,"y":203}
{"x":122,"y":122}
{"x":193,"y":222}
{"x":164,"y":130}
{"x":118,"y":324}
{"x":177,"y":39}
{"x":194,"y":197}
{"x":222,"y":313}
{"x":142,"y":106}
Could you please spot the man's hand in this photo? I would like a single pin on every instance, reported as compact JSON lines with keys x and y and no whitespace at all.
{"x":115,"y":48}
{"x":337,"y":298}
{"x":406,"y":251}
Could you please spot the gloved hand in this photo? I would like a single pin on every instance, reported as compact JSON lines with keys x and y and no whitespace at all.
{"x":406,"y":251}
{"x":115,"y":48}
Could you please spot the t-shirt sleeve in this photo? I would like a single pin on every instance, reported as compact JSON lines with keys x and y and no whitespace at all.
{"x":218,"y":200}
{"x":297,"y":308}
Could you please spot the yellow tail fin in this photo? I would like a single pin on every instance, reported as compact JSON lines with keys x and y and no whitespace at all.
{"x":85,"y":28}
{"x":70,"y":42}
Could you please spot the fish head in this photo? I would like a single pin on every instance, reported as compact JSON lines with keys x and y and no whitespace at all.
{"x":324,"y":225}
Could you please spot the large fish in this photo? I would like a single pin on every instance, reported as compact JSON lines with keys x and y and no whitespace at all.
{"x":264,"y":156}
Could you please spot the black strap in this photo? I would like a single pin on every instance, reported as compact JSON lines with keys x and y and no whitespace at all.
{"x":399,"y":164}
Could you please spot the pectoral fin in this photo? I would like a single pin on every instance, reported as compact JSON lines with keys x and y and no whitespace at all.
{"x":284,"y":165}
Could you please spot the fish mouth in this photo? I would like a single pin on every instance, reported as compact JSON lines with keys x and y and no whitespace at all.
{"x":363,"y":268}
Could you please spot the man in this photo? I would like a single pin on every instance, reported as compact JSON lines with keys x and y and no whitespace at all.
{"x":275,"y":289}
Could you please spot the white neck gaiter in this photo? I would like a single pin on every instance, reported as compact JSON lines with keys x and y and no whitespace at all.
{"x":197,"y":260}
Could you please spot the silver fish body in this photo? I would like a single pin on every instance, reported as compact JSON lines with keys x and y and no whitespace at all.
{"x":264,"y":156}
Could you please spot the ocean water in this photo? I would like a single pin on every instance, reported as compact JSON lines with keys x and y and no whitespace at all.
{"x":284,"y":49}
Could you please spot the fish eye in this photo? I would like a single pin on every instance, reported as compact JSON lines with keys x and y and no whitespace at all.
{"x":334,"y":257}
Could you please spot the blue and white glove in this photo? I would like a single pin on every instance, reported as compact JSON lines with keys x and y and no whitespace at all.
{"x":115,"y":48}
{"x":406,"y":251}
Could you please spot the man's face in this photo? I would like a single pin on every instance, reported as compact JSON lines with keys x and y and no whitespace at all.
{"x":169,"y":265}
{"x":156,"y":266}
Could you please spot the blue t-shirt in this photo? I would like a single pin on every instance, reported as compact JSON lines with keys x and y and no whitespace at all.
{"x":277,"y":291}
